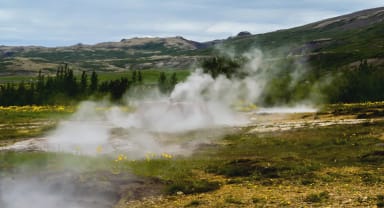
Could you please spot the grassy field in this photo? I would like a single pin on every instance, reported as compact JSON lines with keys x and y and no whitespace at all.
{"x":332,"y":166}
{"x":327,"y":166}
{"x":17,"y":79}
{"x":149,"y":76}
{"x":19,"y":122}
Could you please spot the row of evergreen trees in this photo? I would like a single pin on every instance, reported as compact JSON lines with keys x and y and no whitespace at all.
{"x":167,"y":85}
{"x":365,"y":83}
{"x":288,"y":81}
{"x":65,"y":88}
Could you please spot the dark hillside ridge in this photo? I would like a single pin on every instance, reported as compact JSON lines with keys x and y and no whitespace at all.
{"x":356,"y":20}
{"x":334,"y":42}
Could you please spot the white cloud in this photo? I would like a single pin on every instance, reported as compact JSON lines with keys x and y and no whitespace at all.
{"x":89,"y":21}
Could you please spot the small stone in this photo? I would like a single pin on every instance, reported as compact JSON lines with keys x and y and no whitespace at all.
{"x":347,"y":201}
{"x":179,"y":193}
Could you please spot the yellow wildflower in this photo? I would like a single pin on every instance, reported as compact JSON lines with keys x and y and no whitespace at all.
{"x":99,"y":149}
{"x":166,"y":156}
{"x":121,"y":157}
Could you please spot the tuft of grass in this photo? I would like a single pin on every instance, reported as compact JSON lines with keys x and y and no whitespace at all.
{"x":191,"y":186}
{"x":317,"y":197}
{"x":257,"y":200}
{"x":193,"y":203}
{"x":375,"y":157}
{"x":232,"y":200}
{"x":380,"y":200}
{"x":306,"y":181}
{"x":370,"y":178}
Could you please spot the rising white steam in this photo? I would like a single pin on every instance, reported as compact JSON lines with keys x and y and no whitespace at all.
{"x":200,"y":102}
{"x":155,"y":124}
{"x":148,"y":129}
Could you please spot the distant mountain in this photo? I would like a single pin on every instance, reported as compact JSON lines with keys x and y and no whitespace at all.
{"x":332,"y":43}
{"x":135,"y":53}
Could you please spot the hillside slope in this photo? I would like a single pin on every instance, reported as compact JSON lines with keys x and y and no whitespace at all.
{"x":333,"y":42}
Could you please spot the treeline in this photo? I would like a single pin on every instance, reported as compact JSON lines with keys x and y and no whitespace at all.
{"x":165,"y":84}
{"x":365,"y":83}
{"x":289,"y":81}
{"x":66,"y":88}
{"x":345,"y":85}
{"x":223,"y":65}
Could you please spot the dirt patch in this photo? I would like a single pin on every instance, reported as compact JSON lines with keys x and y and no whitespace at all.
{"x":284,"y":122}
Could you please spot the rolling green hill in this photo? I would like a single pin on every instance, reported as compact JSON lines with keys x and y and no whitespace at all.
{"x":331,"y":43}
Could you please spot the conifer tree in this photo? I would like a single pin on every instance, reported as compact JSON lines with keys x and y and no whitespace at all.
{"x":83,"y":82}
{"x":94,"y":81}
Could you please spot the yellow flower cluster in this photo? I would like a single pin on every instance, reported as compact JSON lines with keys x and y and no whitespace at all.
{"x":99,"y":149}
{"x":36,"y":108}
{"x":121,"y":157}
{"x":122,"y":108}
{"x":242,"y":105}
{"x":166,"y":156}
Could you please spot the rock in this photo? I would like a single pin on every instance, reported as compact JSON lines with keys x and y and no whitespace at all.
{"x":179,"y":193}
{"x":243,"y":33}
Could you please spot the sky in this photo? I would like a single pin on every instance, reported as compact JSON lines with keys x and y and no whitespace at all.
{"x":68,"y":22}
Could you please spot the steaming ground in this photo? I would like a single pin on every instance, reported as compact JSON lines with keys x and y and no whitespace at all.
{"x":161,"y":123}
{"x":101,"y":131}
{"x":18,"y":192}
{"x":152,"y":127}
{"x":198,"y":111}
{"x":72,"y":188}
{"x":155,"y":128}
